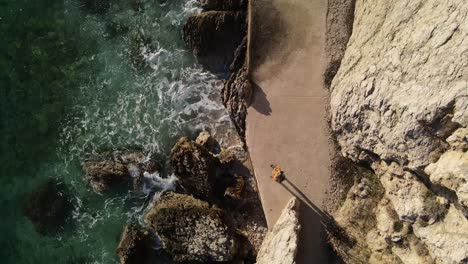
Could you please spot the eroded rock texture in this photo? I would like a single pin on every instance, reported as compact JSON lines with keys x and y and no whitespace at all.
{"x":399,"y":102}
{"x":192,"y":230}
{"x":403,"y":85}
{"x":196,"y":168}
{"x":281,"y":244}
{"x":237,"y":91}
{"x":113,"y":169}
{"x":137,"y":245}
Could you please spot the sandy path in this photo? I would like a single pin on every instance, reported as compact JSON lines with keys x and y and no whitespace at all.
{"x":286,"y":123}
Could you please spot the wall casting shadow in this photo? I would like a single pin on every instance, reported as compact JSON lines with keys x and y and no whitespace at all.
{"x":315,"y":224}
{"x":260,"y":101}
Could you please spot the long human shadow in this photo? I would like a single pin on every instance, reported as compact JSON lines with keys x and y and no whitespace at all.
{"x":315,"y":227}
{"x":260,"y":101}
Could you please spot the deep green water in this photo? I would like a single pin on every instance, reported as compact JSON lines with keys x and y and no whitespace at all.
{"x":73,"y":83}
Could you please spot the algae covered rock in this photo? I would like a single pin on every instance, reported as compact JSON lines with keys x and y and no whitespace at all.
{"x":48,"y":207}
{"x":191,"y":229}
{"x":137,"y":245}
{"x":195,"y":167}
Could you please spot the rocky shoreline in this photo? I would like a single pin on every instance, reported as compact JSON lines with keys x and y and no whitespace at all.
{"x":209,"y":210}
{"x":398,"y":111}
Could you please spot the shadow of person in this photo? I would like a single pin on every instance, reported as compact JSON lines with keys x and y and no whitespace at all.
{"x":260,"y":101}
{"x":315,"y":223}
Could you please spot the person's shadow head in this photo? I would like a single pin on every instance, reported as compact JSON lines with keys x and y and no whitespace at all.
{"x":260,"y":101}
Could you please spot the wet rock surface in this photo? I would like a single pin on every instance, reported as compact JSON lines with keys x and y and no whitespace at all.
{"x":191,"y":229}
{"x":48,"y":207}
{"x":137,"y":245}
{"x":115,"y":169}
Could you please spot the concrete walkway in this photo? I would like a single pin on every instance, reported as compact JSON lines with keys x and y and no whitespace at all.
{"x":286,"y":123}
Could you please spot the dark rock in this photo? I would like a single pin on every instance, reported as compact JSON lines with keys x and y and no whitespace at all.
{"x":95,"y":6}
{"x":213,"y":37}
{"x":237,"y":91}
{"x":115,"y":29}
{"x":137,"y":5}
{"x":236,"y":191}
{"x":192,"y":230}
{"x":136,"y":246}
{"x":113,"y":169}
{"x":48,"y":207}
{"x":195,"y":167}
{"x":224,"y":5}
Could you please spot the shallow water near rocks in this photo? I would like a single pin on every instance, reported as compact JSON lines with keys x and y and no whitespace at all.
{"x":74,"y":83}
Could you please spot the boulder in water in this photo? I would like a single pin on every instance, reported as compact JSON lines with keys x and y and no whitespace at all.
{"x":48,"y":207}
{"x":118,"y":168}
{"x":191,"y":229}
{"x":195,"y":167}
{"x":136,"y":245}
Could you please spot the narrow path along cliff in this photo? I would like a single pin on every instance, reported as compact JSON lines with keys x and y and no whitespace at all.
{"x":287,"y":120}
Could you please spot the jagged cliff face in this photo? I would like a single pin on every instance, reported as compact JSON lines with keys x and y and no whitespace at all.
{"x":400,"y":103}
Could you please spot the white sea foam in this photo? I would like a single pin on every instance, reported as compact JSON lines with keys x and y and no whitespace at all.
{"x":154,"y":180}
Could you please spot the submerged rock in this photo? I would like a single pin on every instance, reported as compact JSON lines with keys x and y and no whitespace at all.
{"x":95,"y":6}
{"x":213,"y":37}
{"x":281,"y":244}
{"x":113,"y":169}
{"x":191,"y":230}
{"x":137,"y":246}
{"x":48,"y":207}
{"x":195,"y":167}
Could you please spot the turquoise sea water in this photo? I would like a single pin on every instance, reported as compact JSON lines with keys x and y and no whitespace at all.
{"x":73,"y":83}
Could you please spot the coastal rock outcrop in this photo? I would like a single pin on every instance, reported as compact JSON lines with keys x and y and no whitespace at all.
{"x":281,"y":244}
{"x":237,"y":91}
{"x":400,"y":97}
{"x":191,"y":229}
{"x":117,"y":168}
{"x":213,"y":36}
{"x":195,"y":167}
{"x":399,"y":103}
{"x":48,"y":207}
{"x":137,"y":245}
